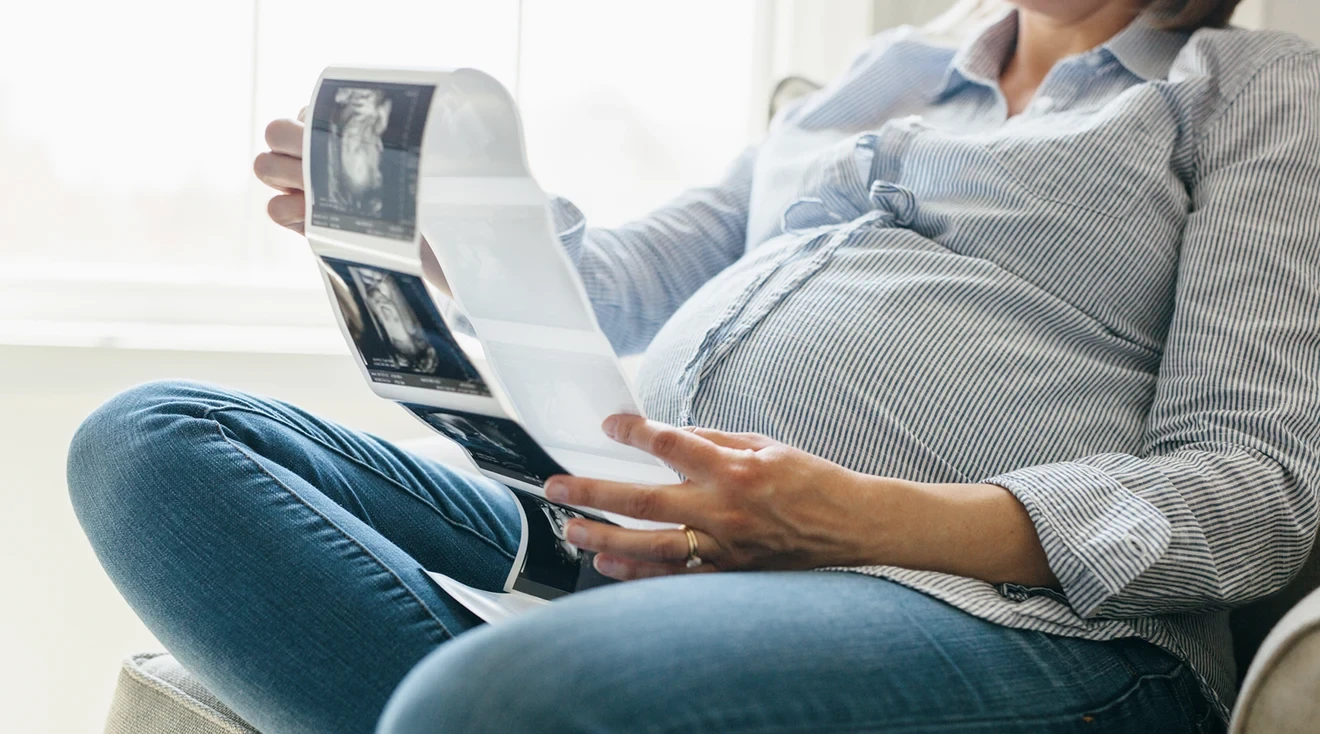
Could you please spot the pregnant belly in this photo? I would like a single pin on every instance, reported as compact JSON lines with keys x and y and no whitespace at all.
{"x":912,"y":363}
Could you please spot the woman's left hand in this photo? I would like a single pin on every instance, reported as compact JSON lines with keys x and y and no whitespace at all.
{"x":754,"y":503}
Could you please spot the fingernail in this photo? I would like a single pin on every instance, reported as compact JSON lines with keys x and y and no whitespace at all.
{"x":610,"y":426}
{"x":556,"y":491}
{"x":606,"y":566}
{"x":577,"y":535}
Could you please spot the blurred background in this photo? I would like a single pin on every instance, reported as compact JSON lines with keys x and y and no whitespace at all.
{"x":134,"y":243}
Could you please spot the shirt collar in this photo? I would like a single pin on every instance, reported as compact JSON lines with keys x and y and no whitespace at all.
{"x":1145,"y":50}
{"x":1141,"y":48}
{"x":981,"y":59}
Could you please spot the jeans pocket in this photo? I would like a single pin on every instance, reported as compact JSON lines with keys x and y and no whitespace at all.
{"x":1152,"y":665}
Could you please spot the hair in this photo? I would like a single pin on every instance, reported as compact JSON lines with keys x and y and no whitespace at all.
{"x":1191,"y":15}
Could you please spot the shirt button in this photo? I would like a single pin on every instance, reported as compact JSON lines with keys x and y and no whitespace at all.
{"x":1136,"y":545}
{"x":1094,"y":60}
{"x":1045,"y":104}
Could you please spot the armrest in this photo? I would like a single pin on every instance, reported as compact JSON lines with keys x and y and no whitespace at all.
{"x":1281,"y":693}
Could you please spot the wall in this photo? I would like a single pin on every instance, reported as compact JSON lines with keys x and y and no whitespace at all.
{"x":1298,"y":16}
{"x":816,"y":39}
{"x":61,"y":622}
{"x":889,"y":13}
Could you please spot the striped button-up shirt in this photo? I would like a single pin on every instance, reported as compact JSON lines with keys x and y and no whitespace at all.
{"x":1107,"y":304}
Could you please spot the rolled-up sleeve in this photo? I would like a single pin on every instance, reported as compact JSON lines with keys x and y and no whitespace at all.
{"x":638,"y":274}
{"x":1221,"y":506}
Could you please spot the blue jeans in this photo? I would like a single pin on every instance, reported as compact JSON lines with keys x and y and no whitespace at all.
{"x":280,"y":558}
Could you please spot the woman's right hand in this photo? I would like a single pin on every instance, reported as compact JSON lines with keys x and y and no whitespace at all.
{"x":281,"y":169}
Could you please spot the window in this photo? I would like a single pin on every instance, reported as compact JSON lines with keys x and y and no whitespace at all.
{"x":127,"y":136}
{"x":627,"y":103}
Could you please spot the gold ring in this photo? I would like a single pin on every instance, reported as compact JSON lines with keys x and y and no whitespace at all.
{"x":693,"y":560}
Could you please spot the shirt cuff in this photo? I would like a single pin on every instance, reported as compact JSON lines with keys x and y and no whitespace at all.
{"x":570,"y":227}
{"x":1098,"y":534}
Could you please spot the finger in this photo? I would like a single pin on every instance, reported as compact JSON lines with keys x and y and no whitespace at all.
{"x":625,"y":569}
{"x":279,"y":171}
{"x":656,"y":546}
{"x":687,"y":452}
{"x":285,"y":136}
{"x":288,"y":210}
{"x":747,"y":441}
{"x":665,"y":503}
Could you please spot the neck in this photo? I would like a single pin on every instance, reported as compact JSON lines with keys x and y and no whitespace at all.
{"x":1045,"y":39}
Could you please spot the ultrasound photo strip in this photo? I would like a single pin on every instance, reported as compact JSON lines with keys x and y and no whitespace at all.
{"x":397,"y":330}
{"x":369,"y":172}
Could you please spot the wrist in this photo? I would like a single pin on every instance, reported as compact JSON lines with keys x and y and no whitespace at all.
{"x":975,"y":530}
{"x":881,"y":533}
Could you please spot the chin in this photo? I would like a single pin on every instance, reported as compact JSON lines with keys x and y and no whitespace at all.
{"x":1075,"y":9}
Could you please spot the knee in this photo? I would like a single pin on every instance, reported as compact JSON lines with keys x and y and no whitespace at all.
{"x":121,"y":444}
{"x":501,"y":678}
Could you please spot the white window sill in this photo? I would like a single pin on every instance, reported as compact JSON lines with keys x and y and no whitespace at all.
{"x":162,"y":301}
{"x":248,"y":338}
{"x":63,"y":310}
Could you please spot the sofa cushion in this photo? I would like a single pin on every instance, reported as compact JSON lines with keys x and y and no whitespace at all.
{"x":1281,"y":693}
{"x":157,"y":696}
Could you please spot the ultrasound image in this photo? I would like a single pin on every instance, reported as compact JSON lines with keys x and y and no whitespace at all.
{"x":398,"y":331}
{"x":365,"y":155}
{"x":497,"y":445}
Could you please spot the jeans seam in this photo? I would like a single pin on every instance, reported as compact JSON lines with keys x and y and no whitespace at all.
{"x":343,"y":533}
{"x":914,"y":727}
{"x":1210,"y":713}
{"x":1136,"y":685}
{"x":1187,"y":705}
{"x":365,"y":467}
{"x":1128,"y":665}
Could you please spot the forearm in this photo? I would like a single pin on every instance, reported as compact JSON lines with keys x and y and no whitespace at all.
{"x":979,"y":531}
{"x":639,"y":273}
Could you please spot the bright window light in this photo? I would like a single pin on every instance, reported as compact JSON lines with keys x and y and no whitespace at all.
{"x":127,"y":129}
{"x":628,"y":103}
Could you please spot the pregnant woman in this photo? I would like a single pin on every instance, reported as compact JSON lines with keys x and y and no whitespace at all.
{"x":994,"y":374}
